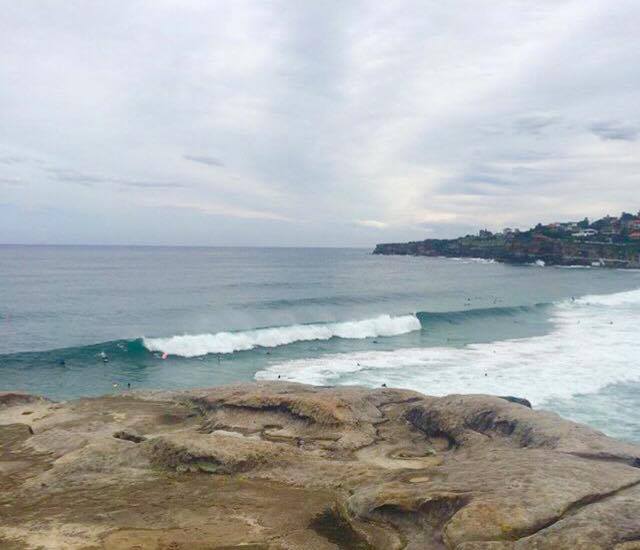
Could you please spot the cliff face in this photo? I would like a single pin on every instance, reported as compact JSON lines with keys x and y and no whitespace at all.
{"x":275,"y":466}
{"x":523,"y":249}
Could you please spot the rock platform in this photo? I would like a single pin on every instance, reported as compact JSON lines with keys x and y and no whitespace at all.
{"x":283,"y":466}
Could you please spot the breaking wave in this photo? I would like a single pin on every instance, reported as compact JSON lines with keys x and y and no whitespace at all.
{"x":594,"y":343}
{"x":194,"y":345}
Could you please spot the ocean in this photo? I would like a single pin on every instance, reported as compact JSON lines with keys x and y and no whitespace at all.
{"x":80,"y":321}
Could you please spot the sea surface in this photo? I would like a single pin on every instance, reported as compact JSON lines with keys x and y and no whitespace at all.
{"x":78,"y":321}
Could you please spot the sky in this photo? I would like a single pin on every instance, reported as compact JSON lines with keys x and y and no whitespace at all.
{"x":300,"y":123}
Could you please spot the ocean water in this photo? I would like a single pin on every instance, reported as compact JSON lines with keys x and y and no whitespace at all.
{"x":78,"y":321}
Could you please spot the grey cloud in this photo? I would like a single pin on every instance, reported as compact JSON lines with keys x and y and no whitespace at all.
{"x":72,"y":176}
{"x":11,"y":181}
{"x":151,"y":184}
{"x":203,"y":159}
{"x":514,"y":177}
{"x":392,"y":114}
{"x":477,"y":184}
{"x":16,"y":160}
{"x":535,"y":123}
{"x":88,"y":180}
{"x":10,"y":159}
{"x":615,"y":131}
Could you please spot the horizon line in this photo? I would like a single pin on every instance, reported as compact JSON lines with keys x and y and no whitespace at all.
{"x":103,"y":245}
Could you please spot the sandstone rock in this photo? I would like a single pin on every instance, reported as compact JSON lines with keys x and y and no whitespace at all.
{"x":285,"y":466}
{"x":10,"y":399}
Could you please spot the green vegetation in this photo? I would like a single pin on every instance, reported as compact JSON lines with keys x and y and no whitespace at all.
{"x":607,"y":242}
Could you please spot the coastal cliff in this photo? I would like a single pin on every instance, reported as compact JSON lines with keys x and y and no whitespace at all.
{"x":287,"y":466}
{"x":522,"y":249}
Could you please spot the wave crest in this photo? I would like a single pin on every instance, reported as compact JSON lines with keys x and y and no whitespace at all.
{"x":194,"y":345}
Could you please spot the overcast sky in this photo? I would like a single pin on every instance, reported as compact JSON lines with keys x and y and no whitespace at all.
{"x":301,"y":123}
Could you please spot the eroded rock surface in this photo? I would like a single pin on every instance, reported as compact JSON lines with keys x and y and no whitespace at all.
{"x":286,"y":466}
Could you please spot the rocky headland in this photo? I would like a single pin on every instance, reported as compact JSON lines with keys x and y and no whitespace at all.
{"x":524,"y":248}
{"x":287,"y":466}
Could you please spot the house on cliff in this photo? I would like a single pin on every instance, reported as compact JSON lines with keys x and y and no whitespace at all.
{"x":585,"y":233}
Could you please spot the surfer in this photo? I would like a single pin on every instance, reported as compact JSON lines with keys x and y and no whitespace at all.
{"x":104,"y":357}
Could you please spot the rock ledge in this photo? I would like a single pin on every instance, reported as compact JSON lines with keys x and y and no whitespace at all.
{"x":285,"y":466}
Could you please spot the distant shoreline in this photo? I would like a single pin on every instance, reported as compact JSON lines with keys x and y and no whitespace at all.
{"x":524,"y":248}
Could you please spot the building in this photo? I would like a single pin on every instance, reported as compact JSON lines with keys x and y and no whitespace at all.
{"x":585,"y":233}
{"x":635,"y":235}
{"x":570,"y":226}
{"x":612,"y":229}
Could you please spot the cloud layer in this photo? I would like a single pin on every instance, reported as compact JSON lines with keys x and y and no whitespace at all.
{"x":323,"y":124}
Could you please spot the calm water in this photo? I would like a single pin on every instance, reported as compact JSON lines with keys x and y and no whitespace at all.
{"x":76,"y":320}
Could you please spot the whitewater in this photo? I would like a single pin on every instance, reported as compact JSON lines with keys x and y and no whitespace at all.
{"x":178,"y":318}
{"x":195,"y":345}
{"x":594,"y":343}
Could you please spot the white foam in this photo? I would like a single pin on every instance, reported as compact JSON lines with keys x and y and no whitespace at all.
{"x":469,"y":260}
{"x":193,"y":345}
{"x":594,"y":343}
{"x":629,"y":298}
